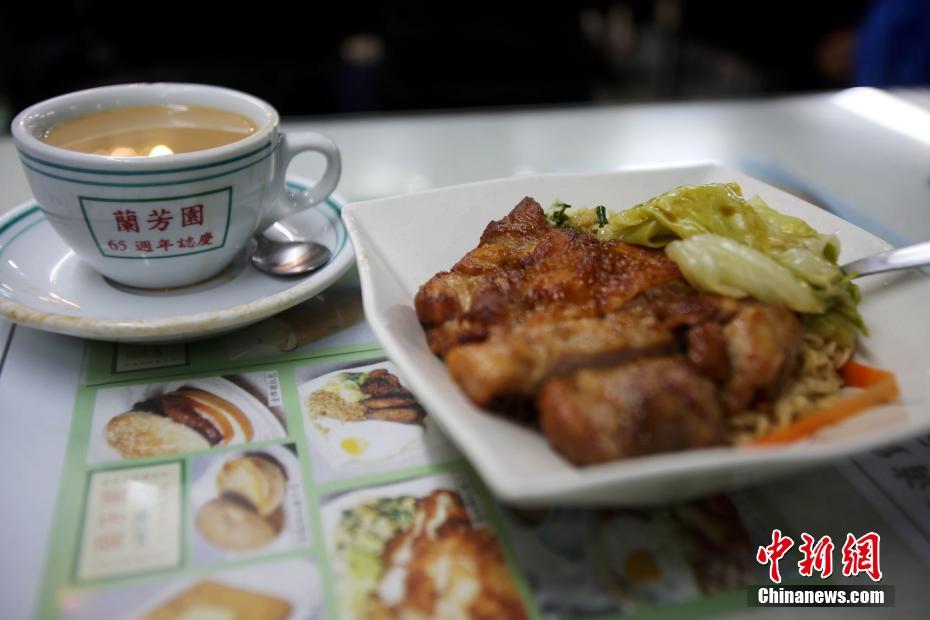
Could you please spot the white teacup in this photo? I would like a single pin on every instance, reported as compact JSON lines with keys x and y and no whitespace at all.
{"x":159,"y":222}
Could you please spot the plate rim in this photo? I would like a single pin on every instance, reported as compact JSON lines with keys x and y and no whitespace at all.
{"x":570,"y":484}
{"x":182,"y":326}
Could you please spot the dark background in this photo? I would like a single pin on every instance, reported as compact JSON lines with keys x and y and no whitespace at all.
{"x":358,"y":57}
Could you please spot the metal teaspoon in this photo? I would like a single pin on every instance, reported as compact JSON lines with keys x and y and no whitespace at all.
{"x":916,"y":255}
{"x":288,"y":257}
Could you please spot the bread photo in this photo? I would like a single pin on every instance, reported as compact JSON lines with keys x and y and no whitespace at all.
{"x":234,"y":525}
{"x":256,"y":479}
{"x":248,"y":512}
{"x":184,"y":420}
{"x":210,"y":599}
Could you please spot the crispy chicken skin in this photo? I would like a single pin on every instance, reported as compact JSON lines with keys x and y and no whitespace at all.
{"x":707,"y":349}
{"x":616,"y":353}
{"x":525,"y":272}
{"x":642,"y":407}
{"x":762,"y":344}
{"x":516,"y":364}
{"x":480,"y":283}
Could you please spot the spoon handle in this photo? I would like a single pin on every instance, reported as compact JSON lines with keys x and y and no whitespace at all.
{"x":916,"y":255}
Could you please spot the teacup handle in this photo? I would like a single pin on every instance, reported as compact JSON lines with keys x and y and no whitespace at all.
{"x":290,"y":201}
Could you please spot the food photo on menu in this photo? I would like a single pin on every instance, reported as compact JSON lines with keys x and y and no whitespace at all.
{"x":418,"y":549}
{"x":360,"y":419}
{"x":246,"y":503}
{"x":189,"y":415}
{"x":278,"y":590}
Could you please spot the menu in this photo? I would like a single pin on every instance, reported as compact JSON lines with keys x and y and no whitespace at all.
{"x":285,"y":471}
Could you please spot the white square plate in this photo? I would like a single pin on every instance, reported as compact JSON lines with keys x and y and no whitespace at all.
{"x":403,"y":241}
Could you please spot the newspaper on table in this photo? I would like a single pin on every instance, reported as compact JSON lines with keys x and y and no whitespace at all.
{"x":324,"y":490}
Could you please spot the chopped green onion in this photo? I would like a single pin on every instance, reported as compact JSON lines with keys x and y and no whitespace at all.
{"x":557,"y":215}
{"x":601,"y":212}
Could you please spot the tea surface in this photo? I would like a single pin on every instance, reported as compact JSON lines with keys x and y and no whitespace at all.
{"x":150,"y":130}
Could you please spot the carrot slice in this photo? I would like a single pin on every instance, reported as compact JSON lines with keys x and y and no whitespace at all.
{"x":881,"y":388}
{"x":860,"y":375}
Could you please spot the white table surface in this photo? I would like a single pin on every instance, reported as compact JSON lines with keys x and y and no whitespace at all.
{"x":865,"y":155}
{"x":878,"y":173}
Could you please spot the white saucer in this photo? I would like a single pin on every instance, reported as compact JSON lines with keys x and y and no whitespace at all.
{"x":44,"y":285}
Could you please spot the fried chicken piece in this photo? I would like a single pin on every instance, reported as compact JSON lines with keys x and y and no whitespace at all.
{"x":762,"y":342}
{"x":571,"y":273}
{"x":707,"y":349}
{"x":643,"y":407}
{"x":523,"y":271}
{"x":574,"y":325}
{"x":461,"y":575}
{"x":748,"y":347}
{"x":672,"y":403}
{"x":445,"y":567}
{"x":481,"y":277}
{"x":514,"y":365}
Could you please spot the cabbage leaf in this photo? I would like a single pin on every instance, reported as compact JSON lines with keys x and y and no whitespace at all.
{"x":726,"y":244}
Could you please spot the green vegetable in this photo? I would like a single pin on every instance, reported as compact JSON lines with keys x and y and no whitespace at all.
{"x":729,"y":245}
{"x":556,"y":214}
{"x":347,"y":386}
{"x":601,"y":213}
{"x":358,"y":378}
{"x":719,"y":265}
{"x":360,"y":538}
